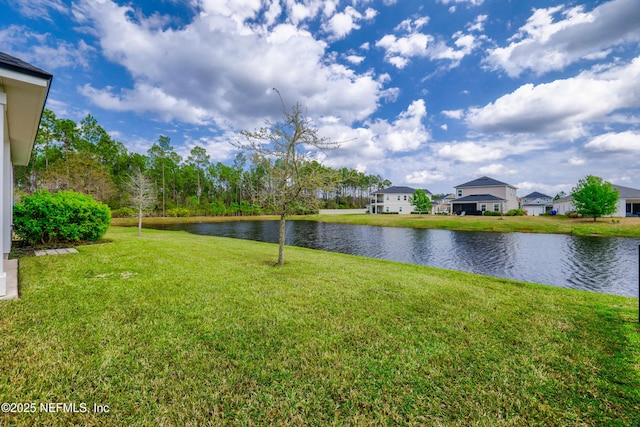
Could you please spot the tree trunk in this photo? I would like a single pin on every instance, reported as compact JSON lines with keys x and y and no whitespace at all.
{"x":140,"y":221}
{"x":283,"y":223}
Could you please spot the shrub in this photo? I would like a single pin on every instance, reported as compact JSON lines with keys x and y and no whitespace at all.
{"x":179,"y":212}
{"x":65,"y":216}
{"x":515,"y":212}
{"x":123,"y":213}
{"x":492,"y":213}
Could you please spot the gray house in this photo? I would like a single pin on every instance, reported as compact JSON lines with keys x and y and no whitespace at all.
{"x":482,"y":194}
{"x":536,"y":203}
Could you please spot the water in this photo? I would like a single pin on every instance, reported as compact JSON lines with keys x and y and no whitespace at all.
{"x":598,"y":264}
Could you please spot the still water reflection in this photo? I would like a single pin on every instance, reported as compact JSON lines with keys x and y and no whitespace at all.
{"x":599,"y":264}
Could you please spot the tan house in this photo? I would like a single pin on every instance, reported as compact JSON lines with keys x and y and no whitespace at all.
{"x":23,"y":93}
{"x":484,"y":194}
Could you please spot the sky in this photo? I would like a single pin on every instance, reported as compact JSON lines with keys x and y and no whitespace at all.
{"x":429,"y":94}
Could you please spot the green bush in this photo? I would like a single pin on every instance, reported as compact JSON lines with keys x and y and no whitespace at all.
{"x":515,"y":212}
{"x":123,"y":213}
{"x":66,"y":216}
{"x":492,"y":213}
{"x":179,"y":212}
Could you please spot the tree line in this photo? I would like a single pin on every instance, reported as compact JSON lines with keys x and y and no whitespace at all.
{"x":83,"y":157}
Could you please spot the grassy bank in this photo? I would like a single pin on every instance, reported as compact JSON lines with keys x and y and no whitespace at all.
{"x":177,"y":329}
{"x":620,"y":227}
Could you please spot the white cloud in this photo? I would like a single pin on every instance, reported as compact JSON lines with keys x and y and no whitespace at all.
{"x":369,"y":147}
{"x":562,"y":106}
{"x":38,"y":9}
{"x":44,"y":50}
{"x":478,"y":24}
{"x":496,"y":169}
{"x":399,"y":50}
{"x":407,"y":132}
{"x":422,"y":177}
{"x":206,"y":70}
{"x":546,"y":44}
{"x":343,"y":23}
{"x":470,"y":2}
{"x":355,"y":59}
{"x":577,"y":161}
{"x":622,"y":142}
{"x":453,"y":114}
{"x":469,"y":152}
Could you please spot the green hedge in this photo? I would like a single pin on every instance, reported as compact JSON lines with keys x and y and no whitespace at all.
{"x":66,"y":216}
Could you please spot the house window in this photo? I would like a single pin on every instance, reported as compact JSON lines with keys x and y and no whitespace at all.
{"x":398,"y":197}
{"x":460,"y":192}
{"x":387,"y":197}
{"x":483,"y":207}
{"x":405,"y":198}
{"x":400,"y":209}
{"x":496,"y":207}
{"x":386,"y":209}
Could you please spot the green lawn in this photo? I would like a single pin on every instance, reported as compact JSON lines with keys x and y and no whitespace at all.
{"x":175,"y":329}
{"x":559,"y":224}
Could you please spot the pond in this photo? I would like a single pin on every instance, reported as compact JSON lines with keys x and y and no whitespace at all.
{"x":598,"y":264}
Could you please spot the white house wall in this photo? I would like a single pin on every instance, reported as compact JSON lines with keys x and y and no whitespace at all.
{"x":4,"y":141}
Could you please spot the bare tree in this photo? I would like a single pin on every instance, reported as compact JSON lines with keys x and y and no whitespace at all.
{"x":142,"y":194}
{"x":293,"y":180}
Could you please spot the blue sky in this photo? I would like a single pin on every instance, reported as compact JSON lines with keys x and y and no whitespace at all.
{"x":428,"y":94}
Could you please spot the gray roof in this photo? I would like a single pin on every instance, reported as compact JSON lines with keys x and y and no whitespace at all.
{"x":536,"y":195}
{"x":12,"y":63}
{"x":485,"y":181}
{"x":623,"y":193}
{"x":564,"y":199}
{"x":478,"y":198}
{"x":399,"y":190}
{"x":627,"y":192}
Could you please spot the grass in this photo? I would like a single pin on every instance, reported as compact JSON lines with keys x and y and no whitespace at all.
{"x":560,"y":224}
{"x":175,"y":329}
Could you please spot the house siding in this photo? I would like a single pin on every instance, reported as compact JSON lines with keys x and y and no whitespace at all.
{"x":506,"y":192}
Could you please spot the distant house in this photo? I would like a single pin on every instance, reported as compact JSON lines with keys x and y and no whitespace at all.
{"x":536,"y":203}
{"x":482,"y":194}
{"x":442,"y":204}
{"x":628,"y":204}
{"x":393,"y":200}
{"x":23,"y":93}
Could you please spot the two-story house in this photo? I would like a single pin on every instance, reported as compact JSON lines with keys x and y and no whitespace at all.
{"x":536,"y":203}
{"x":482,"y":194}
{"x":393,"y":200}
